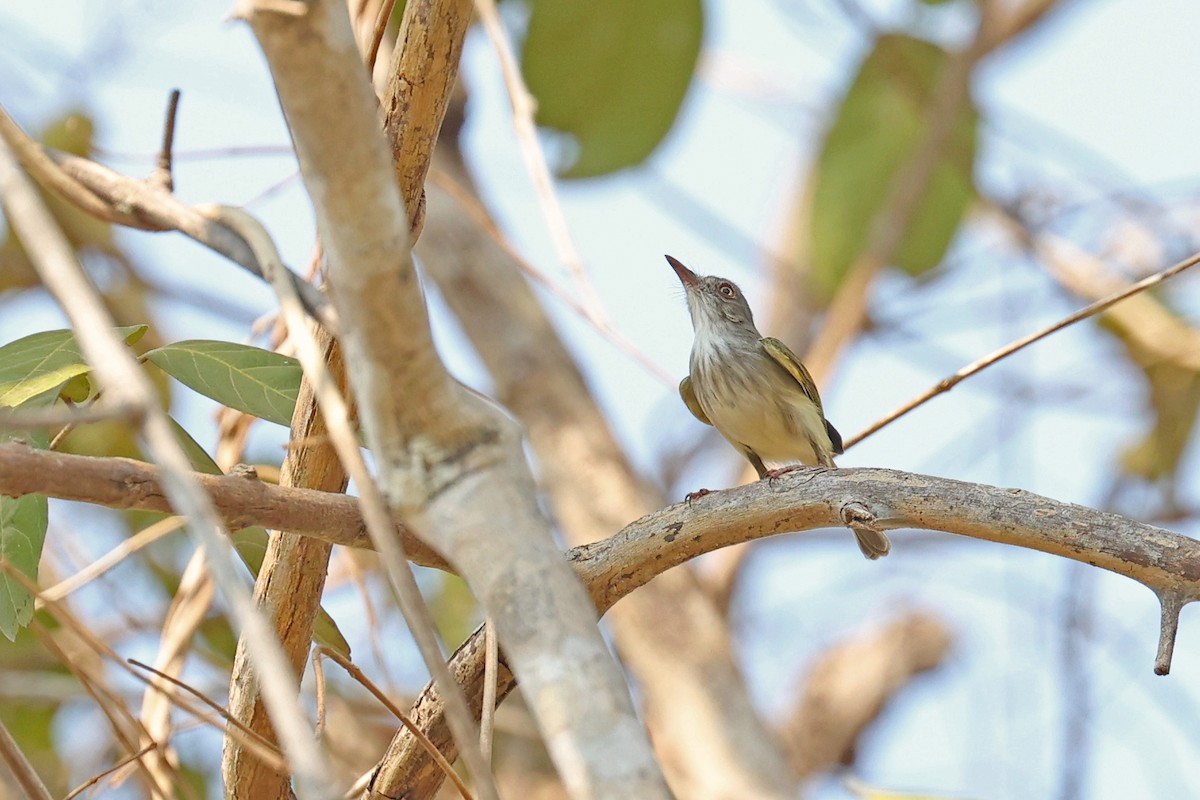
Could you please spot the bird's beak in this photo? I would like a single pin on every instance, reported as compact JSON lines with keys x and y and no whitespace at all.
{"x":686,"y":276}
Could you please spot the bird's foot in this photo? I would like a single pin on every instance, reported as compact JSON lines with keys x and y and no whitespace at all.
{"x":772,"y":474}
{"x":696,"y":495}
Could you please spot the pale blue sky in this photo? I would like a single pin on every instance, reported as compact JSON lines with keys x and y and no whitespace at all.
{"x":1106,"y":88}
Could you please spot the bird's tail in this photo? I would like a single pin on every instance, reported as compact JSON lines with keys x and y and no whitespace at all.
{"x":874,"y":544}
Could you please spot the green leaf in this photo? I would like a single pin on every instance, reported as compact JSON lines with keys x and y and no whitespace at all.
{"x":23,"y":522}
{"x":249,"y":379}
{"x":882,"y":122}
{"x":44,"y":361}
{"x":197,"y":456}
{"x":611,"y":74}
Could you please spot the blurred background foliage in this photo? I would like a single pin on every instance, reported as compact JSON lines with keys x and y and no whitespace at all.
{"x":781,"y":155}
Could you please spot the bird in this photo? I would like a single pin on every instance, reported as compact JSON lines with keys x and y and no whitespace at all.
{"x":754,"y":390}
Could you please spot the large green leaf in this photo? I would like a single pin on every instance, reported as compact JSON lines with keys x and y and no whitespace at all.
{"x":250,"y":379}
{"x":23,"y":523}
{"x":611,"y":74}
{"x":44,"y":361}
{"x":883,"y":120}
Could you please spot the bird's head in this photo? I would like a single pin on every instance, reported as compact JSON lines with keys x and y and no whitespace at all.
{"x":714,"y":302}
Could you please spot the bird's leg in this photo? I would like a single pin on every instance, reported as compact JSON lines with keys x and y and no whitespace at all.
{"x":755,"y":462}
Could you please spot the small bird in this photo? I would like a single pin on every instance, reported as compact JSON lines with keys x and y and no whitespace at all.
{"x":754,"y":390}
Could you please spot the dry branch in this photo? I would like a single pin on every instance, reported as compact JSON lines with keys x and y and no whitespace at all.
{"x":1165,"y":562}
{"x":706,"y":732}
{"x":450,"y":461}
{"x":124,"y":382}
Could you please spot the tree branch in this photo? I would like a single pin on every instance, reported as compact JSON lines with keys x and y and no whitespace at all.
{"x":240,"y":500}
{"x":691,"y":689}
{"x":450,"y":461}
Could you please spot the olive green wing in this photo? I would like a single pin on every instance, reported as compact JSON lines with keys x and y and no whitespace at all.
{"x":785,"y":358}
{"x":689,"y":399}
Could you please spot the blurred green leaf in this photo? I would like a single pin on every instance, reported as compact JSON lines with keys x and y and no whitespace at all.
{"x":455,"y":612}
{"x":72,"y":133}
{"x":45,"y":361}
{"x":23,"y":522}
{"x":249,"y":379}
{"x":197,"y":456}
{"x":612,"y":74}
{"x":882,"y":122}
{"x":1145,"y":326}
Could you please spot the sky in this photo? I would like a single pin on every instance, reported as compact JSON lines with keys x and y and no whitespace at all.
{"x":1103,"y":89}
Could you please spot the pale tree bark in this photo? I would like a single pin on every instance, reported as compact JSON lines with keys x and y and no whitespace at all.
{"x":288,"y":589}
{"x":1165,"y":562}
{"x":450,"y":462}
{"x":706,"y":731}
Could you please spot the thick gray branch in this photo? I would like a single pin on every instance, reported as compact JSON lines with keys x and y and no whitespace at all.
{"x":450,"y":461}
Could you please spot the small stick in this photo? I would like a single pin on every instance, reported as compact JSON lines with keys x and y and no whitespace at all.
{"x":163,"y":175}
{"x":948,"y":383}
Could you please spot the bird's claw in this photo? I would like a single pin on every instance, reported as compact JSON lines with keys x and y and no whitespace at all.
{"x":696,"y":495}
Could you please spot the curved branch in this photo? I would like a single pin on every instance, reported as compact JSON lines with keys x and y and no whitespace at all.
{"x":1165,"y":562}
{"x":242,"y":501}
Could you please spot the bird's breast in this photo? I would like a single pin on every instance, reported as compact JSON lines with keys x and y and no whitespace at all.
{"x":754,"y":402}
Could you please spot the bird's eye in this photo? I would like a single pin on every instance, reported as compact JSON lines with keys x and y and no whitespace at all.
{"x":727,"y":290}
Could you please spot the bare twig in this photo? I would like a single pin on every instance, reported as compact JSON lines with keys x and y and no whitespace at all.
{"x":381,"y":21}
{"x":121,"y":200}
{"x":62,"y":416}
{"x":27,"y":777}
{"x":92,"y":781}
{"x":523,"y":105}
{"x":242,"y":501}
{"x":376,"y":513}
{"x":358,"y":675}
{"x":949,"y":382}
{"x":253,"y":736}
{"x":163,"y":175}
{"x":126,"y":383}
{"x":450,"y":462}
{"x":491,"y":665}
{"x":143,"y":538}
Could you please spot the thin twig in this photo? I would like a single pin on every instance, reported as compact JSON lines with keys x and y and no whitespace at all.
{"x":143,"y":538}
{"x":523,"y":106}
{"x":62,"y":416}
{"x":125,"y":382}
{"x":479,"y":215}
{"x":213,"y":704}
{"x":22,"y":770}
{"x":357,"y":674}
{"x":163,"y":175}
{"x":491,"y":666}
{"x":381,"y":21}
{"x":948,"y":383}
{"x":92,"y":781}
{"x":378,"y":517}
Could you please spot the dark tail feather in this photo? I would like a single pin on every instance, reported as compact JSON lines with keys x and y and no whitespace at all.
{"x":874,"y":544}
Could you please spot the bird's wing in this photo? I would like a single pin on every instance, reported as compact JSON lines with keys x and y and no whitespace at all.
{"x":785,"y":358}
{"x":689,"y":399}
